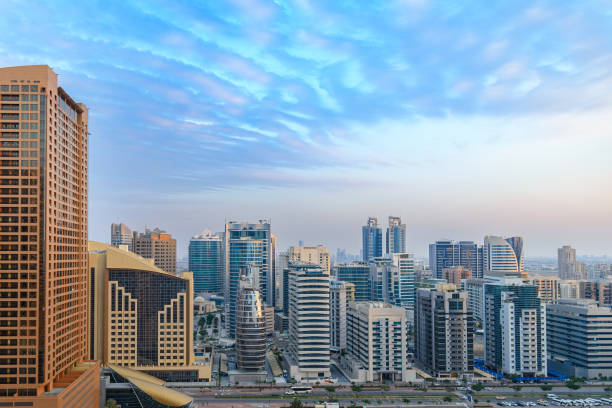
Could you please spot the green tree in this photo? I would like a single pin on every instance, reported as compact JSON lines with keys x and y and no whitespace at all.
{"x":478,"y":387}
{"x":356,"y":388}
{"x":296,"y":403}
{"x":111,"y":403}
{"x":546,"y":387}
{"x":517,"y":388}
{"x":448,"y":399}
{"x":330,"y":389}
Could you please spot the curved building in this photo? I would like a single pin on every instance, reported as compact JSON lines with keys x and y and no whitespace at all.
{"x":500,"y":256}
{"x":250,"y":326}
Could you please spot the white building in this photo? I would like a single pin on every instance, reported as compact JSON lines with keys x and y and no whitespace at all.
{"x":475,"y":289}
{"x":407,"y":277}
{"x":499,"y":256}
{"x":318,"y":255}
{"x":340,"y":293}
{"x":377,"y":343}
{"x":309,"y":327}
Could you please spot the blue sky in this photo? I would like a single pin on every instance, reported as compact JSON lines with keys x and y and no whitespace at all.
{"x":464,"y":118}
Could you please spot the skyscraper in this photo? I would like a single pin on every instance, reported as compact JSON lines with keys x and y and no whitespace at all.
{"x":443,"y":336}
{"x":206,"y":262}
{"x":121,"y":235}
{"x":407,"y":279}
{"x":448,"y":254}
{"x":43,"y":263}
{"x":566,"y":259}
{"x":517,"y":246}
{"x":372,"y":239}
{"x":309,"y":327}
{"x":318,"y":255}
{"x":340,"y":294}
{"x":247,"y":244}
{"x":250,"y":324}
{"x":499,"y":257}
{"x":396,"y":236}
{"x":157,"y":245}
{"x":357,"y":273}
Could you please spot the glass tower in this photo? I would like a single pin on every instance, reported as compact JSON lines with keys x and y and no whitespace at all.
{"x":206,"y":262}
{"x":372,"y":239}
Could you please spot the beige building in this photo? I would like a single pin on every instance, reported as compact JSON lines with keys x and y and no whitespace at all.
{"x":318,"y":255}
{"x":142,"y":316}
{"x":455,"y":274}
{"x":157,"y":245}
{"x":340,"y":294}
{"x":203,"y":306}
{"x":376,"y":343}
{"x":269,"y":316}
{"x":43,"y":243}
{"x":548,"y":287}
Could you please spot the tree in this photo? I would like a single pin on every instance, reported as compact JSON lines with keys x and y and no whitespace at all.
{"x":478,"y":387}
{"x":517,"y":388}
{"x":111,"y":403}
{"x":296,"y":403}
{"x":330,"y":389}
{"x":448,"y":399}
{"x":546,"y":387}
{"x":356,"y":388}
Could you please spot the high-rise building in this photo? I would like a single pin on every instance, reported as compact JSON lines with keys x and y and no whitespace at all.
{"x":569,"y":289}
{"x":340,"y":294}
{"x":566,"y":259}
{"x":121,"y":235}
{"x":157,"y":245}
{"x":384,"y":281}
{"x":141,"y":316}
{"x":357,"y":273}
{"x":443,"y":332}
{"x":515,"y":327}
{"x":407,"y":278}
{"x":456,"y":274}
{"x":309,"y":339}
{"x":43,"y":254}
{"x":206,"y":262}
{"x":377,"y":343}
{"x":448,"y":254}
{"x":579,"y":338}
{"x":396,"y":236}
{"x":372,"y":239}
{"x":282,"y":263}
{"x":250,"y":324}
{"x":600,"y":291}
{"x":247,"y":244}
{"x":517,"y":246}
{"x":499,"y":257}
{"x":548,"y":287}
{"x":318,"y":255}
{"x":475,"y":289}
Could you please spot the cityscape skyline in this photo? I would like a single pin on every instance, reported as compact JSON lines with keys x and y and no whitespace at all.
{"x":503,"y":132}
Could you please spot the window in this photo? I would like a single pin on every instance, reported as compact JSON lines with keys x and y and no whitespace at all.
{"x":24,"y":97}
{"x":34,"y":107}
{"x":14,"y":88}
{"x":25,"y":107}
{"x":25,"y":88}
{"x":25,"y":116}
{"x":33,"y":88}
{"x":34,"y":98}
{"x":4,"y":88}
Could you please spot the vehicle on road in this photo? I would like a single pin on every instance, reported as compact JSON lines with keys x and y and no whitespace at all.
{"x":289,"y":392}
{"x":302,"y":389}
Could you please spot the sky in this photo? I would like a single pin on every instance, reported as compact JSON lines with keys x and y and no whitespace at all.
{"x":464,"y":118}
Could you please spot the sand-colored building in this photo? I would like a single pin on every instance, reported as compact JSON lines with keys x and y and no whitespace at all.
{"x":318,"y":255}
{"x":157,"y":245}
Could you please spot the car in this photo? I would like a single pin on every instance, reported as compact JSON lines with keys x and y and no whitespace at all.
{"x":289,"y":392}
{"x":551,"y":395}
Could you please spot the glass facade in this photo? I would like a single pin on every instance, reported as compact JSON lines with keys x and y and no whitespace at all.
{"x":206,"y":263}
{"x":358,"y":274}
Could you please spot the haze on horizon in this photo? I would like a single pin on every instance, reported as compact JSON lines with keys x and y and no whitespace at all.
{"x":463,"y":119}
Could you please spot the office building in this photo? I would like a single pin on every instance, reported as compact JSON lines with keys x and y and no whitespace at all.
{"x":569,"y":289}
{"x":600,"y":291}
{"x":43,"y":261}
{"x":515,"y":327}
{"x":517,"y":246}
{"x":317,"y":255}
{"x":121,"y":235}
{"x":282,"y":263}
{"x":372,"y":239}
{"x":499,"y":257}
{"x":566,"y":260}
{"x":377,"y":343}
{"x":309,"y":327}
{"x":396,"y":236}
{"x":384,"y":281}
{"x":157,"y":245}
{"x":443,"y":332}
{"x":548,"y":287}
{"x":206,"y":262}
{"x":357,"y":273}
{"x":406,"y":266}
{"x":251,"y":245}
{"x":340,"y":294}
{"x":141,"y":316}
{"x":456,"y":274}
{"x":447,"y":254}
{"x":250,"y":324}
{"x":475,"y":289}
{"x":579,"y":338}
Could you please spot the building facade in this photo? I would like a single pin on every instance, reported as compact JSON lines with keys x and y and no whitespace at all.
{"x":340,"y":294}
{"x":566,"y":261}
{"x":206,"y":262}
{"x":475,"y":289}
{"x":600,"y":291}
{"x":456,"y":274}
{"x":443,"y":332}
{"x":318,"y":255}
{"x":121,"y":235}
{"x":447,"y":254}
{"x":406,"y":266}
{"x":377,"y":343}
{"x":357,"y":273}
{"x":141,"y":316}
{"x":396,"y":236}
{"x":499,"y":257}
{"x":372,"y":239}
{"x":43,"y":235}
{"x":579,"y":338}
{"x":309,"y":326}
{"x":515,"y":328}
{"x":548,"y":287}
{"x":157,"y":245}
{"x":250,"y":325}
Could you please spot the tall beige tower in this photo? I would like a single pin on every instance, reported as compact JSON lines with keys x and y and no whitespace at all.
{"x":157,"y":245}
{"x":43,"y":235}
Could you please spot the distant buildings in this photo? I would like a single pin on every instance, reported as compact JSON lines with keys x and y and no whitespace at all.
{"x":121,"y":235}
{"x":599,"y":291}
{"x":206,"y":262}
{"x":396,"y":236}
{"x":250,"y":245}
{"x":455,"y":274}
{"x":309,"y":326}
{"x":448,"y":254}
{"x":515,"y":327}
{"x":372,"y":240}
{"x":443,"y":332}
{"x":157,"y":245}
{"x":357,"y":273}
{"x":250,"y":324}
{"x":318,"y":255}
{"x":579,"y":338}
{"x":377,"y":343}
{"x":340,"y":294}
{"x":569,"y":268}
{"x":499,"y":256}
{"x":548,"y":287}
